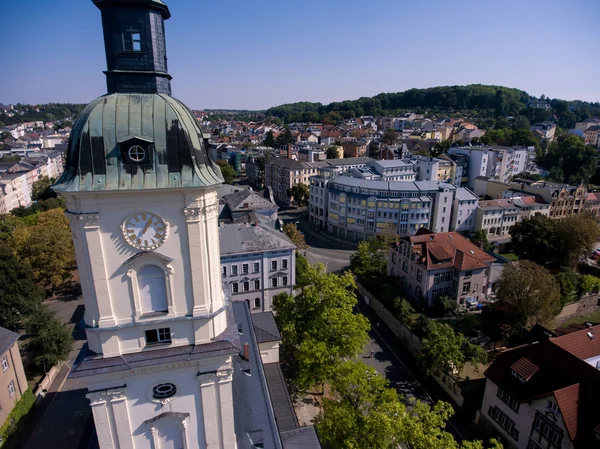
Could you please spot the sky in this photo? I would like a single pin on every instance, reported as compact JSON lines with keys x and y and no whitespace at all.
{"x":241,"y":54}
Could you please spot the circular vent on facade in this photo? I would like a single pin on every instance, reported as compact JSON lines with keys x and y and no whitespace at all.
{"x":164,"y":391}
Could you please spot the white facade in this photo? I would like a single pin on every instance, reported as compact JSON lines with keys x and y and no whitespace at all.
{"x":517,"y":422}
{"x":464,"y":211}
{"x":258,"y":276}
{"x":119,"y":322}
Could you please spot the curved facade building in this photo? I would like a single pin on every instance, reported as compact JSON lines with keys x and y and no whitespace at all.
{"x":356,"y":208}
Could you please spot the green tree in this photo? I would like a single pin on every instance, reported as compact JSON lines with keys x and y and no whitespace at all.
{"x":568,"y":282}
{"x":299,"y":193}
{"x":389,"y":137}
{"x":570,"y":154}
{"x":41,"y":189}
{"x":444,"y":305}
{"x":536,"y":239}
{"x":368,"y":259}
{"x":441,"y":147}
{"x":331,"y":152}
{"x":2,"y":124}
{"x":285,"y":138}
{"x":588,"y":284}
{"x":48,"y":249}
{"x":319,"y":327}
{"x":51,"y":340}
{"x":269,"y":140}
{"x":402,"y":310}
{"x":364,"y":412}
{"x":530,"y":294}
{"x":576,"y":237}
{"x":294,"y":234}
{"x":19,"y":294}
{"x":227,"y":171}
{"x":480,"y":239}
{"x":447,"y":351}
{"x":302,"y":266}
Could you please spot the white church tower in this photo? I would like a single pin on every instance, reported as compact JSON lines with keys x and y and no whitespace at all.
{"x":164,"y":348}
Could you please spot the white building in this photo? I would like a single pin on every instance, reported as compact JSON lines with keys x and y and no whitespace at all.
{"x":257,"y":263}
{"x":170,"y":362}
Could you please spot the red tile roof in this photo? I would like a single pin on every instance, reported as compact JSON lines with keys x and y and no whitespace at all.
{"x":568,"y":402}
{"x":448,"y":249}
{"x":580,"y":344}
{"x":525,"y":368}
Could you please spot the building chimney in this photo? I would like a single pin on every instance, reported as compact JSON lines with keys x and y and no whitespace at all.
{"x":246,"y":351}
{"x":289,"y":148}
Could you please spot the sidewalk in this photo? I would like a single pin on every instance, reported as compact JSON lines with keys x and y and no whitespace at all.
{"x":323,"y":237}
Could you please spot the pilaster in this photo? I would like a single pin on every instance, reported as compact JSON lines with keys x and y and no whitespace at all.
{"x":198,"y":266}
{"x":211,"y":410}
{"x":98,"y":278}
{"x":225,"y":392}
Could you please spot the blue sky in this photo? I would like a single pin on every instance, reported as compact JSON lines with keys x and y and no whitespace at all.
{"x":254,"y":54}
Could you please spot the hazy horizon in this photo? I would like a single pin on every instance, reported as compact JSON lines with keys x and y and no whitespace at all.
{"x":252,"y":56}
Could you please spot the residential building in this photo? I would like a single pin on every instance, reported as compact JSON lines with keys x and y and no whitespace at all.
{"x":354,"y":149}
{"x":13,"y":382}
{"x":355,"y":206}
{"x":430,"y":264}
{"x":545,"y":394}
{"x":592,"y":136}
{"x":583,"y":126}
{"x":245,"y":206}
{"x":497,"y":217}
{"x":257,"y":263}
{"x":592,"y":204}
{"x":546,"y":131}
{"x":564,"y":200}
{"x":464,"y":211}
{"x":169,"y":361}
{"x":282,"y":174}
{"x":500,"y":163}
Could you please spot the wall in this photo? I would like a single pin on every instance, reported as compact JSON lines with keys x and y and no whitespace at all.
{"x":586,"y":305}
{"x":15,"y":374}
{"x":269,"y":352}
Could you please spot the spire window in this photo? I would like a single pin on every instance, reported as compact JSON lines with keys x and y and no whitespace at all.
{"x":132,"y":38}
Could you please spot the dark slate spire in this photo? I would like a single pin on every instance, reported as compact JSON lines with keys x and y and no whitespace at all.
{"x":134,"y":39}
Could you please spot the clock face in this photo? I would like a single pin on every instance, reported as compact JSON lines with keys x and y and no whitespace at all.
{"x":145,"y":230}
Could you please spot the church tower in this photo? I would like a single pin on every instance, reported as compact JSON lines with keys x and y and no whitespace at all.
{"x":141,"y":197}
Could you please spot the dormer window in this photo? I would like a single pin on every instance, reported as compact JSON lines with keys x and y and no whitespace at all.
{"x":132,"y":38}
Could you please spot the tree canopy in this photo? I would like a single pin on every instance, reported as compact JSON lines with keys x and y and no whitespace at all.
{"x":529,"y":294}
{"x":364,"y":412}
{"x":318,"y":326}
{"x":570,"y":160}
{"x":294,"y":234}
{"x":227,"y":171}
{"x":370,"y":258}
{"x":299,"y":193}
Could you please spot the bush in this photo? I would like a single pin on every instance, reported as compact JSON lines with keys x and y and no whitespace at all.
{"x":21,"y":409}
{"x":444,"y":306}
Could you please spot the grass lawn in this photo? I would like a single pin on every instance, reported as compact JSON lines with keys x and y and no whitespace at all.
{"x":509,"y":256}
{"x":593,"y":318}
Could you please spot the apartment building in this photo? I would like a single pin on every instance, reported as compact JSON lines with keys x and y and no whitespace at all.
{"x":13,"y":382}
{"x":257,"y":262}
{"x":464,"y":211}
{"x":497,"y":217}
{"x":282,"y":174}
{"x":355,"y":206}
{"x":564,"y":200}
{"x":429,"y":265}
{"x":592,"y":136}
{"x":545,"y":395}
{"x":500,"y":163}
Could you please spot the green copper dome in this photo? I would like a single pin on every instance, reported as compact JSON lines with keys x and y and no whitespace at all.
{"x":136,"y":141}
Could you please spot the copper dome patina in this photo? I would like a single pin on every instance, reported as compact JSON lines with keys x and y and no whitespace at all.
{"x":137,"y":136}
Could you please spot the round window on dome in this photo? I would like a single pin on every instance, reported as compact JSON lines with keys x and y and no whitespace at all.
{"x":137,"y":153}
{"x":164,"y":391}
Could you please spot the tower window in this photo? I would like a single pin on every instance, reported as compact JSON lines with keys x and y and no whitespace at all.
{"x":136,"y":153}
{"x":155,"y":336}
{"x":153,"y":289}
{"x":132,"y":39}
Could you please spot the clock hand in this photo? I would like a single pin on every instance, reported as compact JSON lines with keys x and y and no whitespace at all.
{"x":147,"y":226}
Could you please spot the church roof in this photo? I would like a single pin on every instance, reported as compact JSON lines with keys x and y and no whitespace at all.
{"x":175,"y":151}
{"x":158,"y":5}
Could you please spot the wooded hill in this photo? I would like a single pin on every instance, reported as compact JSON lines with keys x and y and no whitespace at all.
{"x":474,"y":100}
